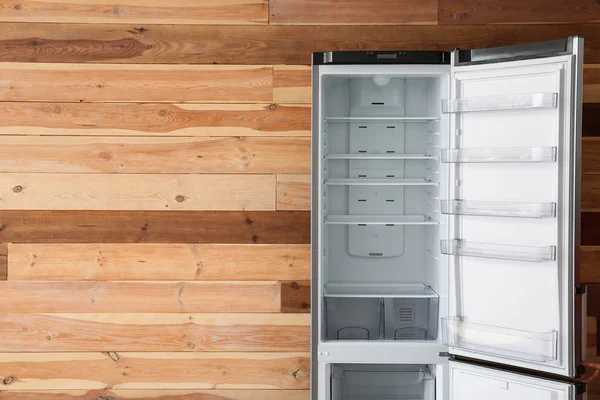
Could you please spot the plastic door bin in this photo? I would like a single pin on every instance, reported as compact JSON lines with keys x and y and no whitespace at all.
{"x":379,"y":382}
{"x":353,"y":318}
{"x":411,"y":318}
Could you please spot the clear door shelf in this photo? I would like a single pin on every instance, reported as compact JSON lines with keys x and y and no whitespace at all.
{"x":379,"y":182}
{"x":381,"y":119}
{"x":505,"y":102}
{"x":461,"y":247}
{"x":493,"y":340}
{"x":499,"y":155}
{"x":379,"y":156}
{"x":404,"y":290}
{"x":379,"y":220}
{"x":499,"y":209}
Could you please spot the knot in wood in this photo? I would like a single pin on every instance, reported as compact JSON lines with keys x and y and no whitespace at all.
{"x":18,"y":189}
{"x":272,"y":107}
{"x":179,"y":198}
{"x":8,"y":380}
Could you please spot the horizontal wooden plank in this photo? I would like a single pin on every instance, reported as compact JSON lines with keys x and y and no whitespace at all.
{"x":291,"y":84}
{"x":262,"y":227}
{"x":158,"y":394}
{"x":202,"y":262}
{"x":3,"y":261}
{"x":139,"y":297}
{"x":591,"y":83}
{"x":135,"y":83}
{"x":136,"y":192}
{"x":590,"y":193}
{"x":59,"y":154}
{"x":515,"y":11}
{"x":593,"y":300}
{"x":133,"y":119}
{"x":590,"y":264}
{"x":293,"y":192}
{"x":360,"y":12}
{"x":591,"y":120}
{"x":209,"y":12}
{"x":154,"y":332}
{"x":590,"y":236}
{"x":154,"y":370}
{"x":590,"y":160}
{"x":259,"y":44}
{"x":295,"y":297}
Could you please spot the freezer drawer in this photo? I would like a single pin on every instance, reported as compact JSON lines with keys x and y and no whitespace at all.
{"x":381,"y":382}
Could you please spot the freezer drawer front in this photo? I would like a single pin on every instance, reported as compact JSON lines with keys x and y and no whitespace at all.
{"x":471,"y":382}
{"x":513,"y":238}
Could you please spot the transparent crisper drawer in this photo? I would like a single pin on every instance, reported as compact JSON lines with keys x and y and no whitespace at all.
{"x":353,"y":311}
{"x":510,"y":343}
{"x":499,"y":155}
{"x":382,"y":382}
{"x":461,"y":247}
{"x":504,"y":102}
{"x":353,"y":318}
{"x":499,"y":208}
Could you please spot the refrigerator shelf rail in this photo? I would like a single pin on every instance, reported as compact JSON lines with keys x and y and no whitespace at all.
{"x":500,"y":155}
{"x":497,"y":103}
{"x":498,"y":209}
{"x":379,"y":182}
{"x":391,"y":220}
{"x":379,"y":156}
{"x":512,"y":343}
{"x":461,"y":247}
{"x":382,"y":119}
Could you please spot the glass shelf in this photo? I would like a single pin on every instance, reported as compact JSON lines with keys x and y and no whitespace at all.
{"x":379,"y":220}
{"x":381,"y":119}
{"x":505,"y":102}
{"x":379,"y":182}
{"x":493,"y":340}
{"x":404,"y":290}
{"x":499,"y":155}
{"x":379,"y":156}
{"x":461,"y":247}
{"x":499,"y":209}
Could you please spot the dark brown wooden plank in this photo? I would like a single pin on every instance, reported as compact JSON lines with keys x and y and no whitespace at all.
{"x":361,"y":12}
{"x":517,"y":11}
{"x":154,"y":227}
{"x":591,"y":120}
{"x":156,"y":394}
{"x":590,"y":193}
{"x":3,"y":261}
{"x":258,"y":44}
{"x":593,"y":300}
{"x":295,"y":296}
{"x":590,"y":234}
{"x":590,"y":160}
{"x":590,"y":264}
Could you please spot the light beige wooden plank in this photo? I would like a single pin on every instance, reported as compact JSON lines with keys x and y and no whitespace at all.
{"x":359,"y":12}
{"x":155,"y":155}
{"x":117,"y":370}
{"x":3,"y":261}
{"x":154,"y":332}
{"x":210,"y":12}
{"x":135,"y":83}
{"x":203,"y":262}
{"x":158,"y":394}
{"x":139,"y":297}
{"x":136,"y":192}
{"x":293,"y":192}
{"x":291,"y":84}
{"x":133,"y":119}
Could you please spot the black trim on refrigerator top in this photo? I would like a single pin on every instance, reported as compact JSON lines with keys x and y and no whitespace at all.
{"x":381,"y":57}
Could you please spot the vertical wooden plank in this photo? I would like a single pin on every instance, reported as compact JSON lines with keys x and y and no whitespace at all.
{"x":295,"y":296}
{"x":293,"y":192}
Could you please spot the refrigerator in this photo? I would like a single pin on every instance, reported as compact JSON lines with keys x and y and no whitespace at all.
{"x":445,"y":224}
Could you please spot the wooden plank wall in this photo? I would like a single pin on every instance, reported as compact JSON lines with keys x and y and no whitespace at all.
{"x":154,"y":187}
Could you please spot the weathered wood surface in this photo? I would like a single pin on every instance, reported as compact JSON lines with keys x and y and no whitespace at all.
{"x":3,"y":261}
{"x":295,"y":297}
{"x":293,"y":192}
{"x":186,"y":262}
{"x":154,"y":332}
{"x":158,"y":394}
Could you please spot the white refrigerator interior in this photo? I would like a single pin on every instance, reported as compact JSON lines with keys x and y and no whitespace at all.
{"x":444,"y":204}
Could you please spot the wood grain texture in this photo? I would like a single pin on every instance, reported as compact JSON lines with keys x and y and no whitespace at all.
{"x":158,"y":394}
{"x":591,"y":120}
{"x":590,"y":158}
{"x":291,"y":84}
{"x":295,"y":297}
{"x":211,"y":12}
{"x":139,"y":297}
{"x":188,"y":262}
{"x":118,"y":119}
{"x":293,"y":192}
{"x":155,"y":370}
{"x":590,"y":264}
{"x":591,"y":83}
{"x":3,"y":261}
{"x":154,"y":155}
{"x":590,"y":193}
{"x":135,"y":83}
{"x":593,"y":300}
{"x":154,"y":332}
{"x":136,"y":192}
{"x":187,"y":44}
{"x":515,"y":11}
{"x":360,"y":12}
{"x":590,"y":235}
{"x":262,"y":227}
